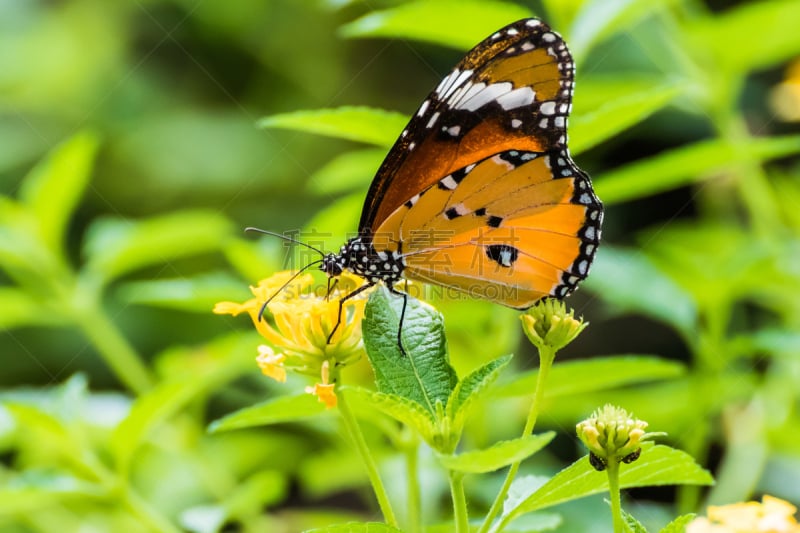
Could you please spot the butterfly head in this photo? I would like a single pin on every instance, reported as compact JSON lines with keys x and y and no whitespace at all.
{"x":333,"y":264}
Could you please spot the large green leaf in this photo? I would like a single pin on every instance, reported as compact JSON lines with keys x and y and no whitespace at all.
{"x":116,"y":247}
{"x":401,"y":409}
{"x":687,"y":164}
{"x":20,"y":309}
{"x":423,"y":374}
{"x":274,"y":411}
{"x":630,"y":282}
{"x":347,"y":171}
{"x":598,"y":19}
{"x":471,"y":388}
{"x":657,"y":465}
{"x":590,"y":129}
{"x":497,"y":456}
{"x":598,"y":373}
{"x":356,"y":527}
{"x":362,"y":124}
{"x":748,"y":37}
{"x":54,"y":187}
{"x":459,"y":24}
{"x":196,"y":293}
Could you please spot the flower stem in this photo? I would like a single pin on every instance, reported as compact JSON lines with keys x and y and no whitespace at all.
{"x":115,"y":349}
{"x":613,"y":488}
{"x":546,"y":357}
{"x":411,"y":449}
{"x":354,"y":431}
{"x":460,"y":514}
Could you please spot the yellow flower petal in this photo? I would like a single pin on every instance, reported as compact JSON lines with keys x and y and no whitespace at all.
{"x":325,"y":394}
{"x":271,"y":364}
{"x":230,"y":308}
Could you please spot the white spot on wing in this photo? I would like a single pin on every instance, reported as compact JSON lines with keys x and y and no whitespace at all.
{"x":448,"y":182}
{"x":433,"y":120}
{"x":512,"y":31}
{"x":532,"y":23}
{"x":468,"y":91}
{"x":454,"y":130}
{"x":489,"y":94}
{"x":423,"y":108}
{"x":461,"y":78}
{"x":516,"y":123}
{"x":547,"y":108}
{"x":517,"y":98}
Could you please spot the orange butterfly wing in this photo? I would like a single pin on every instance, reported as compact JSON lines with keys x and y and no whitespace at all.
{"x":511,"y":92}
{"x":504,"y":229}
{"x":479,"y":193}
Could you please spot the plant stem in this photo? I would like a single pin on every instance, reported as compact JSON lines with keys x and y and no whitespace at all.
{"x":149,"y":516}
{"x":354,"y":431}
{"x":115,"y":349}
{"x":546,"y":357}
{"x":613,"y":489}
{"x":460,"y":514}
{"x":412,"y":479}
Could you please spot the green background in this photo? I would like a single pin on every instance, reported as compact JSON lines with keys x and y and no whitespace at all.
{"x":133,"y":152}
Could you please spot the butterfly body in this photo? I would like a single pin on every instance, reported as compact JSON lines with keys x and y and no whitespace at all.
{"x":479,"y":193}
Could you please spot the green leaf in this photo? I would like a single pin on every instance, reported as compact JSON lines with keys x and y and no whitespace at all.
{"x":769,"y":27}
{"x":401,"y":409}
{"x":362,"y":124}
{"x":148,"y":411}
{"x":469,"y":389}
{"x":679,"y":524}
{"x":54,"y":187}
{"x":590,"y":129}
{"x":34,"y":490}
{"x":688,"y":164}
{"x":498,"y":455}
{"x":631,"y":283}
{"x":634,"y":526}
{"x":197,"y":294}
{"x":348,"y":171}
{"x":116,"y":247}
{"x":595,"y":374}
{"x":459,"y":24}
{"x":423,"y":374}
{"x":19,"y":309}
{"x":356,"y":527}
{"x":658,"y":465}
{"x":597,"y":19}
{"x":274,"y":411}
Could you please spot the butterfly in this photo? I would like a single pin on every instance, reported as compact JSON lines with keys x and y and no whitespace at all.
{"x":479,"y":193}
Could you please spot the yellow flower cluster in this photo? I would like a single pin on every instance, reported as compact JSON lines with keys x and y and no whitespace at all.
{"x":772,"y":515}
{"x":302,"y":322}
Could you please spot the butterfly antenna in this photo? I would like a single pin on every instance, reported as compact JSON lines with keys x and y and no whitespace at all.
{"x":264,"y":305}
{"x":285,"y":238}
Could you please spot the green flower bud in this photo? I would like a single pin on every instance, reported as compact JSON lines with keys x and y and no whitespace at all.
{"x":548,"y":324}
{"x":612,"y":434}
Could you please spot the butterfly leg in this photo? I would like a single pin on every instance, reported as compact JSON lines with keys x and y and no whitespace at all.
{"x":402,"y":317}
{"x":341,"y":306}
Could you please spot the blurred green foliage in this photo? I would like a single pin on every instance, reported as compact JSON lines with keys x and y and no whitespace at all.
{"x":131,"y":156}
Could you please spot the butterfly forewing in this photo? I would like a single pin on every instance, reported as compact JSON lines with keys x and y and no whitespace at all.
{"x":511,"y":92}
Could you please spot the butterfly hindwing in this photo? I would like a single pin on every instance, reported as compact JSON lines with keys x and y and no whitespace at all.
{"x":513,"y":228}
{"x":511,"y":92}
